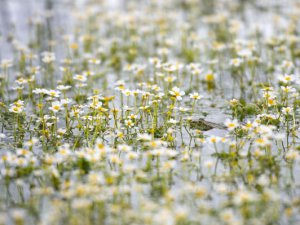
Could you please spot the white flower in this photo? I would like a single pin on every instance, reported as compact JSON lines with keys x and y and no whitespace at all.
{"x":55,"y":107}
{"x":245,"y":53}
{"x":228,"y":216}
{"x":6,"y":63}
{"x":236,"y":62}
{"x":183,"y":109}
{"x":175,"y":92}
{"x":127,"y":92}
{"x":95,"y":61}
{"x":262,"y":142}
{"x":209,"y":164}
{"x":81,"y":78}
{"x":287,"y":110}
{"x":31,"y":142}
{"x":231,"y":124}
{"x":263,"y":180}
{"x":124,"y":148}
{"x":195,"y":96}
{"x":144,"y":137}
{"x":88,"y":73}
{"x":170,"y":79}
{"x":48,"y":57}
{"x":213,"y":139}
{"x":286,"y":78}
{"x":66,"y":101}
{"x":61,"y":131}
{"x":193,"y":66}
{"x":243,"y":196}
{"x":129,"y":123}
{"x":21,"y":81}
{"x":234,"y":102}
{"x":172,"y":121}
{"x":17,"y":107}
{"x":80,"y":85}
{"x":292,"y":155}
{"x":288,"y":89}
{"x":154,"y":60}
{"x":40,"y":91}
{"x":286,"y":65}
{"x":53,"y":93}
{"x":81,"y":203}
{"x":63,"y":87}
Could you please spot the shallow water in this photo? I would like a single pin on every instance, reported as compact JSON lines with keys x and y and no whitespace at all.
{"x":213,"y":107}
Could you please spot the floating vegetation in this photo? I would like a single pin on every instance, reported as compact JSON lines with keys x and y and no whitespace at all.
{"x":201,"y":124}
{"x":149,"y":112}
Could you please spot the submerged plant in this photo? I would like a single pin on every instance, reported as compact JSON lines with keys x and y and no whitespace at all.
{"x":151,"y":112}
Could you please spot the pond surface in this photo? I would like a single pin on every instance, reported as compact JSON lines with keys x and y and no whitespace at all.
{"x":149,"y":112}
